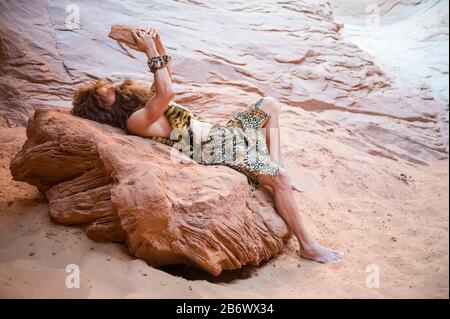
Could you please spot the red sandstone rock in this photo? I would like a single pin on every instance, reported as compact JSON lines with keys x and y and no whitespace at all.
{"x":224,"y":57}
{"x":127,"y":188}
{"x":122,"y":33}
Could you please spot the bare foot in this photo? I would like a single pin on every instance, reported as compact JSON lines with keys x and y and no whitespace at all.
{"x":315,"y":252}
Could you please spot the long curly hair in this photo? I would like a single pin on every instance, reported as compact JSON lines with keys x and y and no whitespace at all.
{"x":129,"y":98}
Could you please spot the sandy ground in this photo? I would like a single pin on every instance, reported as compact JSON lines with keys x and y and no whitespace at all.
{"x":389,"y":217}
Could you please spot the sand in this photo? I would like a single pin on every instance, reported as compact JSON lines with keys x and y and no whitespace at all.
{"x":354,"y":202}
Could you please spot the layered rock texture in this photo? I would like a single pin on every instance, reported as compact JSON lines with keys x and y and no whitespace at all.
{"x":129,"y":189}
{"x":226,"y":54}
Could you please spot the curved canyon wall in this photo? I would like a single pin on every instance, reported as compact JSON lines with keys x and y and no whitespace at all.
{"x":225,"y":56}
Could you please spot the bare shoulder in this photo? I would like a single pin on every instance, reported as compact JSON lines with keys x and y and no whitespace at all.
{"x":139,"y":124}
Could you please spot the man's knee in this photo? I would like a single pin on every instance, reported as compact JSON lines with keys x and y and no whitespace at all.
{"x":270,"y":105}
{"x":281,"y":179}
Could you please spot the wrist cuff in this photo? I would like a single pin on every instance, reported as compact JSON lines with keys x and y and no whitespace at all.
{"x":158,"y":62}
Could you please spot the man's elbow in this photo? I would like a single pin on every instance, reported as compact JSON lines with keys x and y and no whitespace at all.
{"x":167,"y":95}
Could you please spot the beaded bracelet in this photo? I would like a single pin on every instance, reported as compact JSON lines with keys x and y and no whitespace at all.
{"x":158,"y":62}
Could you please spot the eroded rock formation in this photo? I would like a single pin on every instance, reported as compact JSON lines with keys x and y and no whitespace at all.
{"x":226,"y":55}
{"x":124,"y":188}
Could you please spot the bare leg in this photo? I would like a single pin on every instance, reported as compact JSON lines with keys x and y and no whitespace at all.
{"x":272,"y":126}
{"x":288,"y":209}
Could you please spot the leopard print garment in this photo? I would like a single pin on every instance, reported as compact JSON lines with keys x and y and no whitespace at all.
{"x":242,"y":142}
{"x":239,"y":144}
{"x":182,"y":136}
